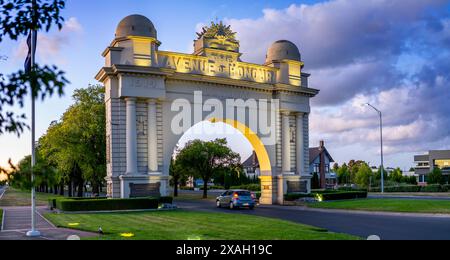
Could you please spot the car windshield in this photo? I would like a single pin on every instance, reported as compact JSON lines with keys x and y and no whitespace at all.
{"x":243,"y":193}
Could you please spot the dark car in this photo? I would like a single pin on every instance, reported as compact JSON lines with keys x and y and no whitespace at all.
{"x":234,"y":199}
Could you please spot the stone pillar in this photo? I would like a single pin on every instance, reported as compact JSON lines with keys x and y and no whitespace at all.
{"x":152,"y":137}
{"x":131,"y":137}
{"x":300,"y":142}
{"x":286,"y":143}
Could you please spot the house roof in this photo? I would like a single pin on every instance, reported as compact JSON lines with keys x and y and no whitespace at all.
{"x":315,"y":152}
{"x":252,"y":161}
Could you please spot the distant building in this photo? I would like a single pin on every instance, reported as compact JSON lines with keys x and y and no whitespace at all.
{"x":434,"y":159}
{"x":251,"y":167}
{"x":319,"y":163}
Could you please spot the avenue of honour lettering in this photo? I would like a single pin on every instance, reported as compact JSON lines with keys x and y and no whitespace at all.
{"x":217,"y":65}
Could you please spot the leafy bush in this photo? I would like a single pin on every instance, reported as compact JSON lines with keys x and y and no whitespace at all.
{"x":250,"y":187}
{"x":296,"y":196}
{"x":403,"y":188}
{"x":434,"y":188}
{"x":106,"y":204}
{"x":342,"y":195}
{"x":350,"y":189}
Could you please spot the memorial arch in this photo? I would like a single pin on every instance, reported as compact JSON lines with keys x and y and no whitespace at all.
{"x":154,"y":96}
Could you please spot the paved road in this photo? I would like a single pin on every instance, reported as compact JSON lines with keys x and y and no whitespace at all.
{"x":363,"y":225}
{"x":2,"y":190}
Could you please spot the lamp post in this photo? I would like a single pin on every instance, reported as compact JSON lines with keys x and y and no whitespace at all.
{"x":33,"y":232}
{"x":381,"y":142}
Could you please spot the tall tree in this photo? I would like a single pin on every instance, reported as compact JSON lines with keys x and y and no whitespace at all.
{"x":17,"y":19}
{"x":205,"y":159}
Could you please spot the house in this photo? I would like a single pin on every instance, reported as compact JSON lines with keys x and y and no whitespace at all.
{"x":251,"y":167}
{"x":434,"y":159}
{"x":319,"y":163}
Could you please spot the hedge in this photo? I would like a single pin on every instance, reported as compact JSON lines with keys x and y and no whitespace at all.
{"x":249,"y":187}
{"x":296,"y":196}
{"x":342,"y":195}
{"x":106,"y":204}
{"x":414,"y":188}
{"x":166,"y":200}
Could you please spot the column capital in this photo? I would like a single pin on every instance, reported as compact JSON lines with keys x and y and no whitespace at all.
{"x":286,"y":113}
{"x":130,"y":99}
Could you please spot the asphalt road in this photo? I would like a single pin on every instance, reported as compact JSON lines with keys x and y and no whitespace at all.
{"x":388,"y":227}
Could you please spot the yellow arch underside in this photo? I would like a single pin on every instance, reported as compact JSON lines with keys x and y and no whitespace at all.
{"x":254,"y":140}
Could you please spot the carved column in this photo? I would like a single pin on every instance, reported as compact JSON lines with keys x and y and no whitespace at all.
{"x":300,"y":142}
{"x":286,"y":143}
{"x":152,"y":137}
{"x":131,"y":137}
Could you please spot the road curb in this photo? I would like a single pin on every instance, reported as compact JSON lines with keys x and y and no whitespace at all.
{"x":379,"y":213}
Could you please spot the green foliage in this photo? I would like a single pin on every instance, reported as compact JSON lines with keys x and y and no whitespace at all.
{"x":364,"y":176}
{"x":434,"y":188}
{"x":166,"y":200}
{"x":343,"y":174}
{"x":400,"y":188}
{"x":17,"y":18}
{"x":436,"y":177}
{"x":249,"y":187}
{"x":205,"y":159}
{"x":396,"y":176}
{"x":296,"y":196}
{"x":106,"y":204}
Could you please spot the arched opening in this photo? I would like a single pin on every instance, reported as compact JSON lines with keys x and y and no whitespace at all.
{"x":241,"y":139}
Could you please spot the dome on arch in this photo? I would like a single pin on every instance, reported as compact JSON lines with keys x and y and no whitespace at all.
{"x":283,"y":50}
{"x":136,"y":25}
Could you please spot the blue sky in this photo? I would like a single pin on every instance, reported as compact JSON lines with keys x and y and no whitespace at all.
{"x":390,"y":53}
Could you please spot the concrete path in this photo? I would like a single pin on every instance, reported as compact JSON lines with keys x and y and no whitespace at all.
{"x":17,"y":221}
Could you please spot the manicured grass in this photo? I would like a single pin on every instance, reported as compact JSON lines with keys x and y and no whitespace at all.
{"x":389,"y":205}
{"x":185,"y":225}
{"x":13,"y":197}
{"x":1,"y":218}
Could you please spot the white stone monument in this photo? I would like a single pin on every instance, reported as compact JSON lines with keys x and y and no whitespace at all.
{"x":145,"y":88}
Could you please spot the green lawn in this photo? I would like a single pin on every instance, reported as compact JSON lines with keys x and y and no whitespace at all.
{"x":390,"y":205}
{"x":185,"y":225}
{"x":1,"y":218}
{"x":13,"y":197}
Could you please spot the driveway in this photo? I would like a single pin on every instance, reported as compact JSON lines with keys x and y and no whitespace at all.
{"x":388,"y":227}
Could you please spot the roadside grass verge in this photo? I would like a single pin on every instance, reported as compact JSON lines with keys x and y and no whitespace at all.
{"x":389,"y":205}
{"x":190,"y":225}
{"x":18,"y":198}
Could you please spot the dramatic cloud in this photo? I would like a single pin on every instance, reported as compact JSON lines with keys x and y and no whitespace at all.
{"x":51,"y":45}
{"x":393,"y":54}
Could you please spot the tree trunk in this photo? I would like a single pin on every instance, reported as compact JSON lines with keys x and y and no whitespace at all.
{"x":70,"y":188}
{"x":80,"y":189}
{"x":95,"y":190}
{"x":205,"y":189}
{"x":175,"y":187}
{"x":55,"y":190}
{"x":46,"y":188}
{"x":61,"y":189}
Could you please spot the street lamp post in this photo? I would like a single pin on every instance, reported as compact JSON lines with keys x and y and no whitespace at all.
{"x":33,"y":232}
{"x":381,"y":142}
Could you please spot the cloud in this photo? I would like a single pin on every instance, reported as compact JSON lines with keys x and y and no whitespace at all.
{"x":393,"y":54}
{"x":51,"y":45}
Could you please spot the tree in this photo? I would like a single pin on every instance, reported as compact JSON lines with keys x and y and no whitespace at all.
{"x":178,"y":174}
{"x":396,"y":176}
{"x":17,"y":19}
{"x":436,"y":177}
{"x":364,"y":175}
{"x":343,"y":174}
{"x":204,"y":159}
{"x":77,"y":144}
